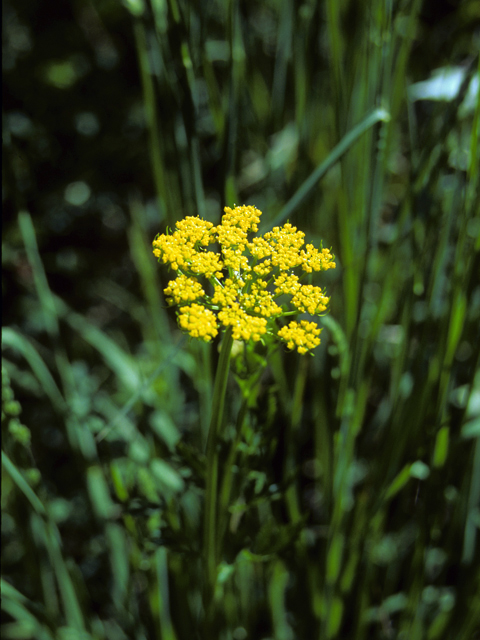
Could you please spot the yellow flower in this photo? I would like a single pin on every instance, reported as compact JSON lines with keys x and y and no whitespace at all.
{"x":315,"y":260}
{"x":181,"y":250}
{"x":195,"y":231}
{"x":310,"y":299}
{"x":226,"y":295}
{"x":260,"y":248}
{"x":244,"y":278}
{"x":183,"y":289}
{"x":244,"y":217}
{"x":260,"y":301}
{"x":172,"y":251}
{"x":286,"y":283}
{"x":198,"y":322}
{"x":244,"y":326}
{"x":303,"y":336}
{"x":285,"y":242}
{"x":235,"y":260}
{"x":206,"y":264}
{"x":264,"y":268}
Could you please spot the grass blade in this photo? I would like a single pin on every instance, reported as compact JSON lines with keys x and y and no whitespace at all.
{"x":378,"y":115}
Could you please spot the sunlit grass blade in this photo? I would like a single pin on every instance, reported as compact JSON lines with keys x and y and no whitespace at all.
{"x":162,"y":612}
{"x":141,"y":252}
{"x":151,"y":113}
{"x":14,"y":340}
{"x":39,"y":276}
{"x":276,"y":592}
{"x":119,"y":563}
{"x":378,"y":115}
{"x":282,"y":58}
{"x":68,"y":595}
{"x":26,"y":625}
{"x":168,"y":361}
{"x":115,"y":357}
{"x":22,"y":484}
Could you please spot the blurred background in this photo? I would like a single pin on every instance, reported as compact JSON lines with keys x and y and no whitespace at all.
{"x":356,"y":484}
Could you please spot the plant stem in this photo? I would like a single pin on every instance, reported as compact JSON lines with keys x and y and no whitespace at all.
{"x":210,"y":523}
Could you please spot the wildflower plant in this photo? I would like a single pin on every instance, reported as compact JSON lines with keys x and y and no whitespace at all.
{"x":250,"y":288}
{"x":250,"y":284}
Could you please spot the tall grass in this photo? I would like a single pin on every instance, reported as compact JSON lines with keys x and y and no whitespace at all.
{"x":350,"y":482}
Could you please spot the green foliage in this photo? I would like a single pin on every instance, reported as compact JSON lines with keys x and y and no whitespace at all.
{"x":348,"y":483}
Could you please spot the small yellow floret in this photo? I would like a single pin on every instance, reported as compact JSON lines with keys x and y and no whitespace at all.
{"x":285,"y":283}
{"x":260,"y":301}
{"x":183,"y":289}
{"x":264,"y":268}
{"x":244,"y":326}
{"x":198,"y":322}
{"x":206,"y":263}
{"x":303,"y":335}
{"x":245,"y":217}
{"x":285,"y":242}
{"x":315,"y":260}
{"x":310,"y":299}
{"x":235,"y":260}
{"x":180,"y":250}
{"x":173,"y":252}
{"x":226,"y":295}
{"x":193,"y":229}
{"x":230,"y":236}
{"x":259,"y":248}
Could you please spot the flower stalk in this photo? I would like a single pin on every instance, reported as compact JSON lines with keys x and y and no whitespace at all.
{"x":211,"y":492}
{"x":248,"y":289}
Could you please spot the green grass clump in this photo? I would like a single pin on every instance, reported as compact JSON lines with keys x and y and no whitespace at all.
{"x":349,"y":483}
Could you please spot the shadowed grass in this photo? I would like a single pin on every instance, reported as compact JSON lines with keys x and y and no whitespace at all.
{"x":348,"y":484}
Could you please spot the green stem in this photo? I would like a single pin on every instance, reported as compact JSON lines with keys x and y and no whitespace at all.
{"x":211,"y":519}
{"x":291,"y":494}
{"x":227,"y":482}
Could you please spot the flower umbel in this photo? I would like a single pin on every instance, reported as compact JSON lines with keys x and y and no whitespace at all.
{"x":252,"y":282}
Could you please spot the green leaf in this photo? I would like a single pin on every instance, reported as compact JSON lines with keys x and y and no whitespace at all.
{"x":398,"y":482}
{"x":334,"y":558}
{"x":378,"y":115}
{"x":167,"y":476}
{"x":22,"y":484}
{"x":334,"y":619}
{"x":13,"y":339}
{"x":441,"y":447}
{"x":99,"y":493}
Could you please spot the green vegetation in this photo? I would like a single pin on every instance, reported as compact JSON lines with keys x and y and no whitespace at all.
{"x":349,"y":482}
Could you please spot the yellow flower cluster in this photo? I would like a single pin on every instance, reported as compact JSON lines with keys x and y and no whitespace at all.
{"x":244,"y":279}
{"x":303,"y":335}
{"x":310,"y":299}
{"x":198,"y":321}
{"x":181,"y":249}
{"x":184,"y":289}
